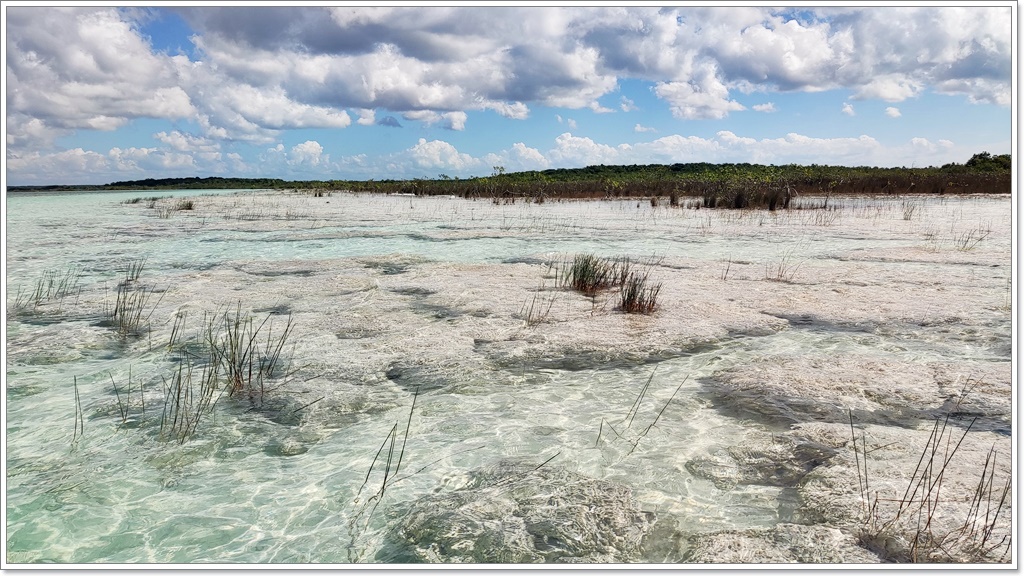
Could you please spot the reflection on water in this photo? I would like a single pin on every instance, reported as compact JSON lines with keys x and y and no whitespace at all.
{"x":418,"y":416}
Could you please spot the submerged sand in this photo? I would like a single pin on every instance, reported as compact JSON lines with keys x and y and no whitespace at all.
{"x":892,"y":322}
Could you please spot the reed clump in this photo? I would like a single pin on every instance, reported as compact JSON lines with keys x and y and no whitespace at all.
{"x":54,"y":286}
{"x":132,"y":303}
{"x":637,"y":294}
{"x":920,"y":527}
{"x":230,"y":354}
{"x":590,"y":274}
{"x":187,"y":400}
{"x":249,"y":354}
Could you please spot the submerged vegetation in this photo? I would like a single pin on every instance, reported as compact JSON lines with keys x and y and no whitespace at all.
{"x":230,"y":354}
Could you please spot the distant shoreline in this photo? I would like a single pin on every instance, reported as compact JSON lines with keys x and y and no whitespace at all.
{"x":696,"y":184}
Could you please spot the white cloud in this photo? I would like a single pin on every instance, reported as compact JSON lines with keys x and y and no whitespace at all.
{"x":513,"y":110}
{"x":309,"y":153}
{"x":848,"y":109}
{"x":84,"y":68}
{"x":67,"y":167}
{"x":891,"y":88}
{"x":367,"y":117}
{"x":449,"y":120}
{"x":23,"y":132}
{"x":183,"y":142}
{"x":261,"y":70}
{"x":440,"y":154}
{"x":892,"y":112}
{"x":641,"y":128}
{"x":571,"y":124}
{"x":702,"y":97}
{"x":766,"y":107}
{"x":572,"y":150}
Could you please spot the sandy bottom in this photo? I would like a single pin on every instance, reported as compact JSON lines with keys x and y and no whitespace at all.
{"x":824,"y":385}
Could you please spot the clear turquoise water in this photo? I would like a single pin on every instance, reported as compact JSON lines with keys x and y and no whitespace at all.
{"x":249,"y":489}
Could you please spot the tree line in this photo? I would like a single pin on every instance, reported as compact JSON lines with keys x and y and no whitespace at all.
{"x":734,"y":185}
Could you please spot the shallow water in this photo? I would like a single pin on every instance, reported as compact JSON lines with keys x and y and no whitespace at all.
{"x":399,"y":300}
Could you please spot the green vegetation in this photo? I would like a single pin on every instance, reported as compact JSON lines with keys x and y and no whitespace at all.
{"x":727,"y":185}
{"x":637,"y":295}
{"x":589,"y":275}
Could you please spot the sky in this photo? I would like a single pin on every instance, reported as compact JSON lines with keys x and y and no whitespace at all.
{"x":103,"y":94}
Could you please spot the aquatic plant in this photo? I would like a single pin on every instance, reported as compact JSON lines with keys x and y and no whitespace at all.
{"x":79,"y":429}
{"x":537,"y":309}
{"x":909,"y":208}
{"x":187,"y":402}
{"x":636,"y":295}
{"x":390,"y":476}
{"x":247,"y":365}
{"x":967,"y":241}
{"x":914,"y":532}
{"x":589,"y":274}
{"x":632,"y":413}
{"x":185,"y":204}
{"x":53,"y":286}
{"x":782,"y":271}
{"x":132,"y":310}
{"x":124,"y":405}
{"x":728,"y":266}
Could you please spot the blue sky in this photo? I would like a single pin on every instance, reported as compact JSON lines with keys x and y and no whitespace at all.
{"x":103,"y":94}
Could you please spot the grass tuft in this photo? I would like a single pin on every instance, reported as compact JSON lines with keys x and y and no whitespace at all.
{"x":916,"y":532}
{"x":53,"y":286}
{"x":249,"y":360}
{"x":637,"y":295}
{"x":132,"y":309}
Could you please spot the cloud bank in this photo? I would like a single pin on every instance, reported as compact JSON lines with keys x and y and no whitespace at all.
{"x":258,"y":71}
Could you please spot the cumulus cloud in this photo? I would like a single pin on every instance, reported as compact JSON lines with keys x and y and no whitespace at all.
{"x":257,"y":71}
{"x":848,"y":109}
{"x":367,"y":117}
{"x":892,"y":112}
{"x":70,"y":165}
{"x":389,"y":121}
{"x":440,"y":154}
{"x":84,"y":68}
{"x":449,"y":120}
{"x":309,"y":153}
{"x":183,"y":142}
{"x":703,"y":97}
{"x":766,"y":107}
{"x":891,"y":88}
{"x":641,"y":128}
{"x":581,"y":151}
